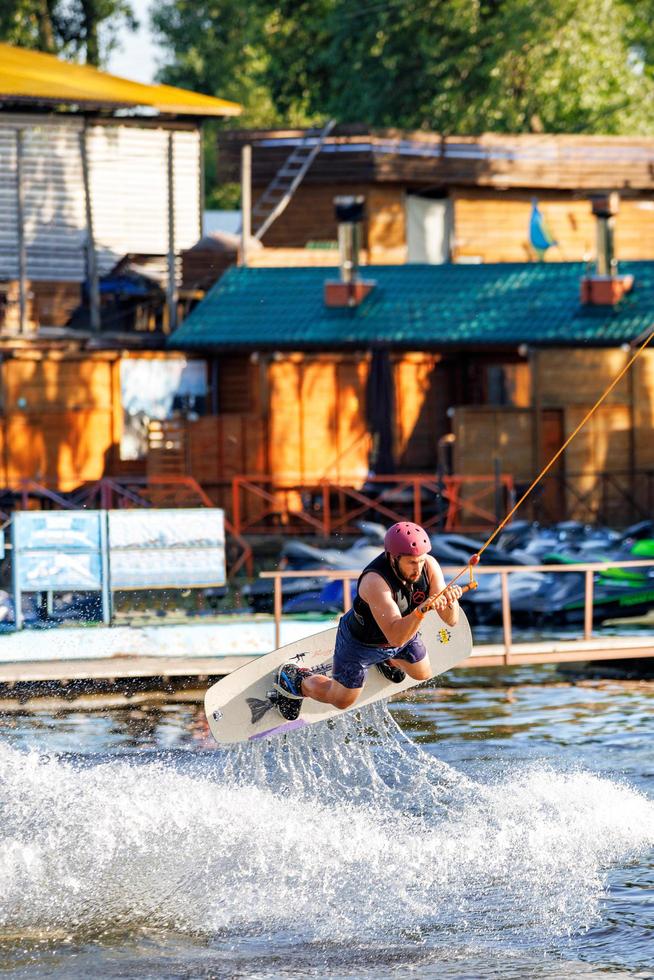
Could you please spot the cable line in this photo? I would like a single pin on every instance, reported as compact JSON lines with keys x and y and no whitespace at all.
{"x":474,"y":560}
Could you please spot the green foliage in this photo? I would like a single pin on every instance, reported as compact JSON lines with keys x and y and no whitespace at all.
{"x":217,"y":47}
{"x":453,"y":66}
{"x":218,"y":195}
{"x":28,"y":24}
{"x":223,"y":197}
{"x":71,"y":28}
{"x":464,"y":66}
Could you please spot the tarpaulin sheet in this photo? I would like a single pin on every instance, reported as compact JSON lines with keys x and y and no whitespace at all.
{"x":32,"y":75}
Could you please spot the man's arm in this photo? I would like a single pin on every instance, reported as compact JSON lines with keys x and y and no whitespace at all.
{"x":397,"y":629}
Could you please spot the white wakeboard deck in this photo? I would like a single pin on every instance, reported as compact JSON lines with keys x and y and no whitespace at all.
{"x":228,"y":703}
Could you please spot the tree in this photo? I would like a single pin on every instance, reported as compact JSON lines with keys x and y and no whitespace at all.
{"x":67,"y":27}
{"x":446,"y":65}
{"x":218,"y":47}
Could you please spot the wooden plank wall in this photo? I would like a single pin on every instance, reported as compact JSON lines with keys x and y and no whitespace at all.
{"x":569,"y":376}
{"x":55,"y":301}
{"x":601,"y":446}
{"x":490,"y":225}
{"x":417,"y":411}
{"x":643,"y":382}
{"x":310,"y":218}
{"x":484,"y":434}
{"x":268,"y":160}
{"x":502,"y":160}
{"x":202,"y":267}
{"x":325,"y":257}
{"x":48,"y":304}
{"x":572,"y":380}
{"x":493,"y":226}
{"x":62,"y":422}
{"x":644,"y":410}
{"x":59,"y":419}
{"x":317,"y":424}
{"x":386,"y":218}
{"x":220,"y":447}
{"x":317,"y":418}
{"x":62,"y":419}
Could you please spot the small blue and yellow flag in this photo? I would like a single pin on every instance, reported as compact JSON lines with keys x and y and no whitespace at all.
{"x":539,"y":234}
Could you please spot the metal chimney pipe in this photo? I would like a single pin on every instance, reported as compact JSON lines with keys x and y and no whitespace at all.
{"x":605,"y":207}
{"x":246,"y":201}
{"x":349,"y":215}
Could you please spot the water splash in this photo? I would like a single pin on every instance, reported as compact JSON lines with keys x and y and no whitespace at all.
{"x":339,"y":833}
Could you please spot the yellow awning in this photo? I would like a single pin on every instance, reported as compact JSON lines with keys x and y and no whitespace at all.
{"x":31,"y":75}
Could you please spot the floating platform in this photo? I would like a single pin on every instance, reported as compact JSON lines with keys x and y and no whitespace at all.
{"x":125,"y":679}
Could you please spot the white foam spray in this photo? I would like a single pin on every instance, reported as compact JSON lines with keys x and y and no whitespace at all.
{"x":338,"y":833}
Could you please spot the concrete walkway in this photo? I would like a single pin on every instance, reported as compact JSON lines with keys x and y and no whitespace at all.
{"x":185,"y":640}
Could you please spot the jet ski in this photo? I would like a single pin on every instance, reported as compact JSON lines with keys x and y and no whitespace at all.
{"x":303,"y":594}
{"x":539,"y":598}
{"x":535,"y":597}
{"x":453,"y":550}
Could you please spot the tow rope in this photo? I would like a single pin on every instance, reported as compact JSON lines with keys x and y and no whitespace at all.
{"x":476,"y":558}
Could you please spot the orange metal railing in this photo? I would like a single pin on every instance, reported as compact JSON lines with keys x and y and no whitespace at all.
{"x":116,"y":492}
{"x":474,"y":503}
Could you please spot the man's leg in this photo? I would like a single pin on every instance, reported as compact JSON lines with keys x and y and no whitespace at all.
{"x":348,"y":673}
{"x":419,"y":671}
{"x":414,"y":660}
{"x":329,"y":691}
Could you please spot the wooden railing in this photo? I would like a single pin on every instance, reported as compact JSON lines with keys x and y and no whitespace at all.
{"x":510,"y":650}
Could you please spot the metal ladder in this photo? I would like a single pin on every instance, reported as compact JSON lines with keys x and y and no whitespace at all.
{"x":288,"y":178}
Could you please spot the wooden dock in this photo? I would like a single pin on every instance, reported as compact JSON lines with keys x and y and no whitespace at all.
{"x":139,"y":664}
{"x":562,"y":651}
{"x":116,"y":670}
{"x":86,"y":684}
{"x":113,"y":670}
{"x":109,"y":681}
{"x":125,"y":677}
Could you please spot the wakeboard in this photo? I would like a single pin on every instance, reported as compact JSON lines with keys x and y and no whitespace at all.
{"x":243,"y":705}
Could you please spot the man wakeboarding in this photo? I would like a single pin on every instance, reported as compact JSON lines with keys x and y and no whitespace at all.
{"x":394,"y":593}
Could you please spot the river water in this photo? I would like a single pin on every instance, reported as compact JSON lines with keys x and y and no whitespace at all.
{"x":500,"y":827}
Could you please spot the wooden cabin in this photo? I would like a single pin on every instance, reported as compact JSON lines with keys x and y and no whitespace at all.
{"x":100,"y":184}
{"x":93,"y":168}
{"x":72,"y":415}
{"x":498,"y":362}
{"x":432,"y":198}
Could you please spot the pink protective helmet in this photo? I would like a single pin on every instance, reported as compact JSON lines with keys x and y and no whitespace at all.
{"x":406,"y":538}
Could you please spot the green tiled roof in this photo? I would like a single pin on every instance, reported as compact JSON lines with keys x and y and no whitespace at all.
{"x":416,"y":306}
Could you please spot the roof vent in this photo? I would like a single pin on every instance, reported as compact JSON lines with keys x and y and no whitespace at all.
{"x":350,"y":289}
{"x":605,"y":287}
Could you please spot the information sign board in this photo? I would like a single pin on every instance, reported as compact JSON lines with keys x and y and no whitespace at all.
{"x":166,"y":548}
{"x":56,"y":571}
{"x":101,"y":550}
{"x":58,"y":549}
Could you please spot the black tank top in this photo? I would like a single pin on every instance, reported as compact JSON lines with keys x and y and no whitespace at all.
{"x":407,"y":596}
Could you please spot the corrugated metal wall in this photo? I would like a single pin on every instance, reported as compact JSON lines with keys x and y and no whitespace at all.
{"x":54,"y":199}
{"x":128,"y":175}
{"x":8,"y":229}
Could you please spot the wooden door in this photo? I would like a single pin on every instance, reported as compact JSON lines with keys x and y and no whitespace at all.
{"x":550,"y":505}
